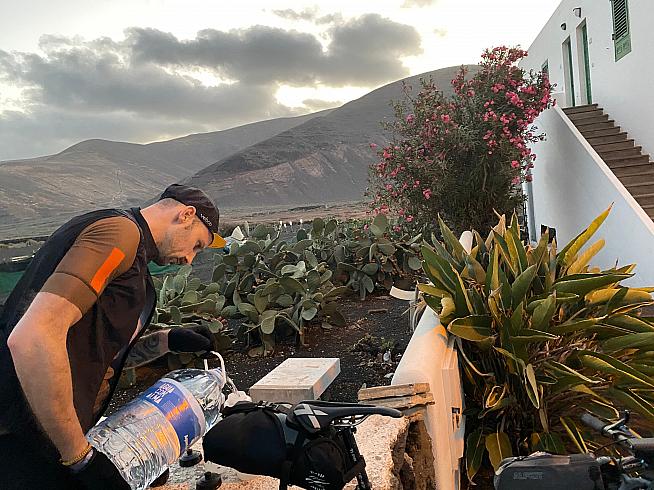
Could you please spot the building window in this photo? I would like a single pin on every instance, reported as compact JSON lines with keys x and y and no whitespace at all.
{"x":621,"y":31}
{"x":546,"y":68}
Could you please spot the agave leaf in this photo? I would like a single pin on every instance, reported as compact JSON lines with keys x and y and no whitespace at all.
{"x":516,"y":320}
{"x":643,"y":340}
{"x":516,"y":247}
{"x":568,"y":371}
{"x":630,"y":323}
{"x":578,"y":265}
{"x":599,"y":409}
{"x":475,"y":328}
{"x":495,"y":396}
{"x":538,"y":255}
{"x":532,"y":386}
{"x":561,"y":298}
{"x":574,"y":326}
{"x":511,"y":357}
{"x":440,"y":269}
{"x":492,"y":274}
{"x":498,"y":446}
{"x":629,"y":399}
{"x":574,"y":433}
{"x":475,"y":449}
{"x":607,"y":364}
{"x":451,"y":241}
{"x":461,"y":300}
{"x":569,"y":252}
{"x":529,"y":335}
{"x":433,"y":291}
{"x":511,"y":262}
{"x":521,"y":285}
{"x":582,"y":284}
{"x":547,"y":441}
{"x":474,"y":269}
{"x":543,"y":313}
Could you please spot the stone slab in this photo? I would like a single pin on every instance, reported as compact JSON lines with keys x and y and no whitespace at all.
{"x":297,"y":379}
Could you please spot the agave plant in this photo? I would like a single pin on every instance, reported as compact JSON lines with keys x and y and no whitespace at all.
{"x":543,"y":337}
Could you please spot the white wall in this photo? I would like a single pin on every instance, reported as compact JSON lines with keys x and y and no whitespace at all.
{"x":572,"y":185}
{"x":622,"y":88}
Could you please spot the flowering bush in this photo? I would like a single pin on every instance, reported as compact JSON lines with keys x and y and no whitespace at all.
{"x":462,"y":156}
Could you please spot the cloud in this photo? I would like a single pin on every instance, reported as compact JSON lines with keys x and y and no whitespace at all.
{"x":440,"y":31}
{"x":362,"y":51}
{"x":143,"y":87}
{"x":320,"y":104}
{"x":417,"y":3}
{"x":308,"y":14}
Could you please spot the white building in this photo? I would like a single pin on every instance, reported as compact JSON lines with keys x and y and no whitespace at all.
{"x":598,"y":52}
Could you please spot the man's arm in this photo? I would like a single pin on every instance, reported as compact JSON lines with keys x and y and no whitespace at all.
{"x":148,"y":348}
{"x":38,"y":348}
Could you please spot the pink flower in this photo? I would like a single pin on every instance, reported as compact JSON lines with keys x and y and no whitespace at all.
{"x":397,"y":229}
{"x":515,"y":181}
{"x":409,"y":219}
{"x":409,"y":118}
{"x":445,"y":118}
{"x":426,"y":193}
{"x":529,"y":177}
{"x":365,"y":227}
{"x":373,"y":145}
{"x":386,"y":154}
{"x":515,"y":164}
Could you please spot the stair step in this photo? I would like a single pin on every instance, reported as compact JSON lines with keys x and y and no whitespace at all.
{"x":625,"y":161}
{"x":600,"y":118}
{"x":645,"y":199}
{"x":580,"y":108}
{"x":611,"y":155}
{"x":607,"y":139}
{"x":581,"y":116}
{"x":638,"y":171}
{"x":603,"y":133}
{"x":596,"y":126}
{"x":613,"y":145}
{"x":643,"y":178}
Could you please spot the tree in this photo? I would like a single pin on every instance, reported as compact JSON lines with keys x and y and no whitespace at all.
{"x":462,"y":156}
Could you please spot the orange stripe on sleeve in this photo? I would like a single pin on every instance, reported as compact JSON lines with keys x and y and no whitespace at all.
{"x":108,"y":266}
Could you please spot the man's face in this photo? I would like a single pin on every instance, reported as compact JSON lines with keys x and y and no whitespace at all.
{"x":183,"y":240}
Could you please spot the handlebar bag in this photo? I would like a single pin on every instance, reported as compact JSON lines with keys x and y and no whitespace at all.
{"x":254,"y":438}
{"x":544,"y":471}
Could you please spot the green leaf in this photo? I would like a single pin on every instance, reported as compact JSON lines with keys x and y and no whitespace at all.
{"x":380,"y":223}
{"x":309,"y":313}
{"x":574,"y":326}
{"x":532,"y":386}
{"x":543,"y":313}
{"x":370,"y":269}
{"x":176,"y":315}
{"x":582,"y":284}
{"x":574,"y":433}
{"x":313,"y":280}
{"x":547,"y":441}
{"x":607,"y":364}
{"x":521,"y":285}
{"x":267,"y":324}
{"x":475,"y":449}
{"x":629,"y":399}
{"x":414,"y":263}
{"x":260,"y":302}
{"x":529,"y":335}
{"x":451,"y":241}
{"x":291,"y":285}
{"x":498,"y":446}
{"x":643,"y":340}
{"x":368,"y":284}
{"x":249,"y":311}
{"x":318,"y":226}
{"x":285,"y":300}
{"x":190,"y":297}
{"x":476,"y":328}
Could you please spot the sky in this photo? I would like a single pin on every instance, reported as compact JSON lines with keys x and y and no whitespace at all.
{"x":150,"y":70}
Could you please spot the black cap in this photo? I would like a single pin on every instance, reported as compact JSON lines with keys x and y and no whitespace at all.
{"x":205,"y":209}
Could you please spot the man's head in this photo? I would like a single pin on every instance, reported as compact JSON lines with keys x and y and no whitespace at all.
{"x":183,"y":222}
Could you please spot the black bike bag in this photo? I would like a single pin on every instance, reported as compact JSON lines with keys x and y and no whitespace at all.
{"x":544,"y":471}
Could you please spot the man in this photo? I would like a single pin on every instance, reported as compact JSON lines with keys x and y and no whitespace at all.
{"x":73,"y":322}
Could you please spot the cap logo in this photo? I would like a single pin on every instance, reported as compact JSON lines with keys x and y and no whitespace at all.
{"x":206,"y":220}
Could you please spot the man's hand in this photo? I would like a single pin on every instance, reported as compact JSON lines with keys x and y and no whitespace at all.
{"x":190,"y":339}
{"x":100,"y":473}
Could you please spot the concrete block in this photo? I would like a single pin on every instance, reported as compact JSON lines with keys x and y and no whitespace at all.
{"x":297,"y":379}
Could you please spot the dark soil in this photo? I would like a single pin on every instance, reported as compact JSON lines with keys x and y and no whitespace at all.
{"x":378,"y":320}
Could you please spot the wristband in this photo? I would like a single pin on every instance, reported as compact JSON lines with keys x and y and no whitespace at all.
{"x":79,"y":457}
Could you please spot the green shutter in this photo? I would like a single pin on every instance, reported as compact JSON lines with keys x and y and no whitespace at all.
{"x":621,"y":31}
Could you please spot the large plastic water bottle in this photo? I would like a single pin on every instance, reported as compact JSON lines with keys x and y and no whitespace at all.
{"x":151,"y":432}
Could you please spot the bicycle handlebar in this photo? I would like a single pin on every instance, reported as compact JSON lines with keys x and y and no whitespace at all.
{"x":593,"y":422}
{"x":644,"y":444}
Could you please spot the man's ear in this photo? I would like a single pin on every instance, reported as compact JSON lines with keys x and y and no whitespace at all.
{"x":187,"y":214}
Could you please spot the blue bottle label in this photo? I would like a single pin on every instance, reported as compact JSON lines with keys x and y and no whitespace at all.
{"x":180,"y":408}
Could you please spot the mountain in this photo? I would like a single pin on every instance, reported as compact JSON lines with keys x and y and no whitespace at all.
{"x":322,"y":160}
{"x":37,"y":194}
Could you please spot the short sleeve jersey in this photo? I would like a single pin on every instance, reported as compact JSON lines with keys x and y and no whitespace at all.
{"x":103,"y":251}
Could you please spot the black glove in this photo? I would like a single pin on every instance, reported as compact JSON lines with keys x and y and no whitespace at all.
{"x":190,"y":339}
{"x":100,"y":474}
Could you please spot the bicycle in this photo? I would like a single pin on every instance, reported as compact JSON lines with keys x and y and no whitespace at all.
{"x":544,"y":471}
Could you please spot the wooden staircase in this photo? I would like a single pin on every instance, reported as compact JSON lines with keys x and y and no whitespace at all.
{"x":627,"y":161}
